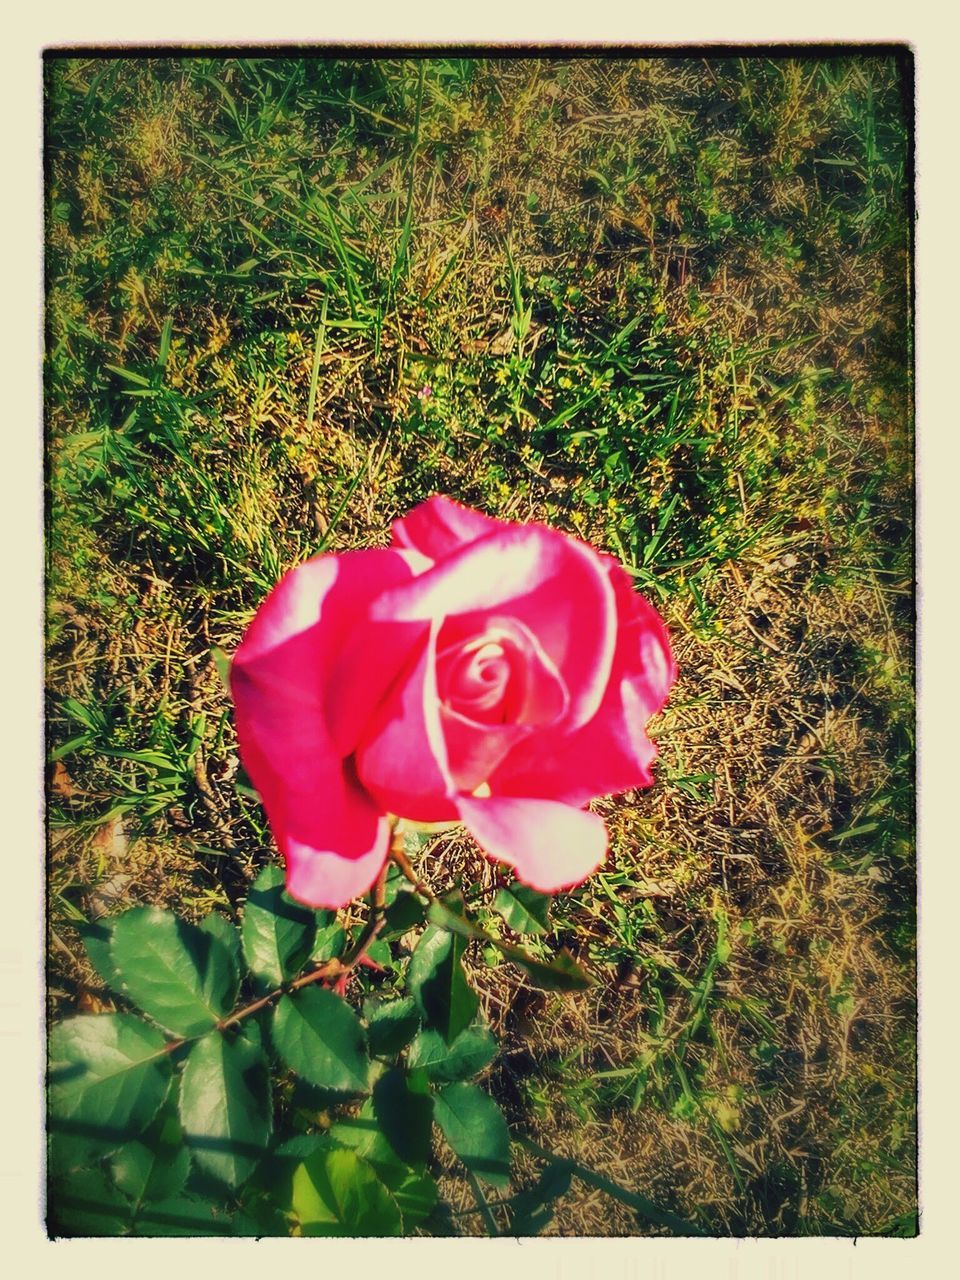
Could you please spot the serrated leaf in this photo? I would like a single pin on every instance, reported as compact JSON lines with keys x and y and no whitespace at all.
{"x":474,"y":1126}
{"x":329,"y":941}
{"x":336,"y":1193}
{"x":438,"y":984}
{"x":96,"y":940}
{"x":277,"y":932}
{"x":274,"y":1173}
{"x":377,"y":952}
{"x":450,"y":913}
{"x":391,"y":1026}
{"x":180,"y":975}
{"x":108,"y":1077}
{"x":404,"y":1115}
{"x":157,"y":1164}
{"x":472,"y":1050}
{"x":190,"y":1216}
{"x":394,"y":882}
{"x":87,"y":1205}
{"x":220,"y":927}
{"x":414,"y":1190}
{"x":563,"y":973}
{"x":320,"y":1038}
{"x":225,"y":1106}
{"x":524,"y":909}
{"x":416,"y":1195}
{"x":414,"y":842}
{"x":301,"y":1146}
{"x":362,"y":1134}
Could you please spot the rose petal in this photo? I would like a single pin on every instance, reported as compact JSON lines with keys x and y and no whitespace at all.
{"x":316,"y":605}
{"x":402,"y":760}
{"x":643,"y":644}
{"x":332,"y":836}
{"x":278,"y":678}
{"x":551,"y":846}
{"x":474,"y":750}
{"x":612,"y":753}
{"x":363,"y":674}
{"x":440,"y":526}
{"x":555,"y":586}
{"x":653,"y":668}
{"x":321,"y":879}
{"x":609,"y":755}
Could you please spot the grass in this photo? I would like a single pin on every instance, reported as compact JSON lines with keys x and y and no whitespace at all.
{"x":662,"y":303}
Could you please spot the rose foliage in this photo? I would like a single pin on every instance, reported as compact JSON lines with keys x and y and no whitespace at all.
{"x":478,"y":671}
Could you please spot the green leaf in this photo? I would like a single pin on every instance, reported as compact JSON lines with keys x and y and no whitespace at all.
{"x":532,"y":1210}
{"x":404,"y":1115}
{"x":395,"y":884}
{"x":321,"y":1039}
{"x":472,"y":1050}
{"x":301,"y":1146}
{"x":87,"y":1205}
{"x":180,"y":975}
{"x":379,"y":952}
{"x":562,"y":973}
{"x":155,"y":1167}
{"x":330,"y":939}
{"x":336,"y":1193}
{"x":524,"y":909}
{"x":108,"y":1077}
{"x":436,"y":980}
{"x":474,"y":1126}
{"x":416,"y":1195}
{"x":166,"y":333}
{"x":219,"y":927}
{"x":278,"y":933}
{"x":362,"y":1134}
{"x":222,"y":665}
{"x":450,"y":913}
{"x":391,"y":1026}
{"x":414,"y":1190}
{"x":273,"y":1176}
{"x":225,"y":1105}
{"x":96,"y":940}
{"x":190,"y":1216}
{"x":406,"y":912}
{"x":147,"y":1173}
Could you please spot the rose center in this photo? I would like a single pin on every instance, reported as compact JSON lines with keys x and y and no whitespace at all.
{"x":475,"y":678}
{"x":498,"y":675}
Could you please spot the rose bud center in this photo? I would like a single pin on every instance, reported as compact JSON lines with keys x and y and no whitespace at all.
{"x":495,"y":684}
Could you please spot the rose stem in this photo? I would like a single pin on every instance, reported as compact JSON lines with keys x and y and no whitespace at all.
{"x":402,"y":861}
{"x":329,"y":969}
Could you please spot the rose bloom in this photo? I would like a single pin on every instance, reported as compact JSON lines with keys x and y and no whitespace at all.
{"x":477,"y":671}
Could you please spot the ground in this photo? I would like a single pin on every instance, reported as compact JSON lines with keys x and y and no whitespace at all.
{"x":662,"y":303}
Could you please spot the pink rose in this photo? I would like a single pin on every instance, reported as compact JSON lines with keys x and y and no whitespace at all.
{"x":500,"y":675}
